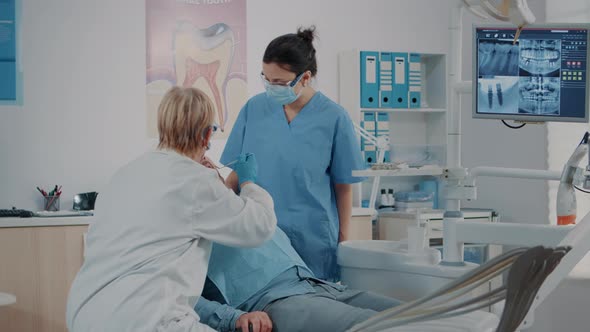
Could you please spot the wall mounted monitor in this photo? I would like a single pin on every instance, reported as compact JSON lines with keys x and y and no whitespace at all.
{"x":542,"y":77}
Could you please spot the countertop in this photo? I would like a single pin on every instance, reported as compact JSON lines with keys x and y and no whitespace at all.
{"x":46,"y":221}
{"x":7,"y":299}
{"x":436,"y":214}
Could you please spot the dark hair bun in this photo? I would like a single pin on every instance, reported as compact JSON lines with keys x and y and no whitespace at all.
{"x":295,"y":51}
{"x":306,"y":34}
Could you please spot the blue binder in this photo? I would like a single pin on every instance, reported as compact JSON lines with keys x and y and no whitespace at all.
{"x":8,"y":80}
{"x":385,"y":80}
{"x":415,"y":81}
{"x":382,"y":129}
{"x":369,"y":150}
{"x":369,"y":79}
{"x":400,"y":80}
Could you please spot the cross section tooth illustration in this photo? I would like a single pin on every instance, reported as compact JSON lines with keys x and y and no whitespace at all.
{"x":202,"y":59}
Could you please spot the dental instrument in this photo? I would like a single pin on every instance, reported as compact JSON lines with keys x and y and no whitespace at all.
{"x":227,"y":165}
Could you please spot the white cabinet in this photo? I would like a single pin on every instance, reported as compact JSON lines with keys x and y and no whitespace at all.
{"x":361,"y":224}
{"x":393,"y":225}
{"x":418,"y":136}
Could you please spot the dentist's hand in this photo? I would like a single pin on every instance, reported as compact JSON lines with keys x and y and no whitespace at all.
{"x":247,"y":168}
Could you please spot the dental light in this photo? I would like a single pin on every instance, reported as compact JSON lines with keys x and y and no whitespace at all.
{"x":515,"y":11}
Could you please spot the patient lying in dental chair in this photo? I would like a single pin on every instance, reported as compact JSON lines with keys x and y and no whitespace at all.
{"x":270,"y":288}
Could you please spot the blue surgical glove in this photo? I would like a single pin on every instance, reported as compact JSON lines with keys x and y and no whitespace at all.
{"x":246,"y":167}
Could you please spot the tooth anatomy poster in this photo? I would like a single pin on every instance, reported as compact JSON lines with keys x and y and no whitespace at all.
{"x":198,"y":43}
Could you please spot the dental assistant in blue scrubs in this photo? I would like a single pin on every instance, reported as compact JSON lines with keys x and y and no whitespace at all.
{"x":306,"y":148}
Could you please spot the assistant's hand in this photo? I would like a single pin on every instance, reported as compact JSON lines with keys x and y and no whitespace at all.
{"x":247,"y":168}
{"x":259,"y":321}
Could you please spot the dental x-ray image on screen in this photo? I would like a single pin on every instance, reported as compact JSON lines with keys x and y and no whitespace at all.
{"x":498,"y":57}
{"x":540,"y":64}
{"x":541,"y":74}
{"x":540,"y":57}
{"x":539,"y":95}
{"x":498,"y":94}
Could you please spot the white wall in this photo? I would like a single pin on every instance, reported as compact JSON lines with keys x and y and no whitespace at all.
{"x":490,"y":143}
{"x":564,"y":137}
{"x":83,"y":113}
{"x":561,"y":308}
{"x":84,"y":76}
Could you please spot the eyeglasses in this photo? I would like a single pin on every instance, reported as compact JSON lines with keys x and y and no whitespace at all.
{"x":213,"y":128}
{"x":289,"y":83}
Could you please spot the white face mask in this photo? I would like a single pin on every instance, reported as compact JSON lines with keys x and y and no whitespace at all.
{"x":283,"y":94}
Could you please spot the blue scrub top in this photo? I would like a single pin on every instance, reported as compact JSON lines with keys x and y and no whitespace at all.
{"x":298,"y":164}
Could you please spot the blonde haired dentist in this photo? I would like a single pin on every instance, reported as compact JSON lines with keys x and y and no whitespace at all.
{"x":148,"y":250}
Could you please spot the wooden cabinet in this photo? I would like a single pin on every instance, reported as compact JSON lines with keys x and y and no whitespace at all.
{"x":38,"y":265}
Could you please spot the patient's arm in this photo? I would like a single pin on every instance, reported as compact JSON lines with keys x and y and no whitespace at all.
{"x":224,"y":318}
{"x":257,"y":320}
{"x":220,"y":317}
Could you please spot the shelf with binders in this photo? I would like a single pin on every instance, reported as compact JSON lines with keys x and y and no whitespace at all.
{"x":392,"y":82}
{"x":408,"y":104}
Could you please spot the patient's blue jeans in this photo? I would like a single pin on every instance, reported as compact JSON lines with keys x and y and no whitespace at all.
{"x":327,"y":309}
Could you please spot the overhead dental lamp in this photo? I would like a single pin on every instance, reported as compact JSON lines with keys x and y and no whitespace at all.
{"x":514,"y":11}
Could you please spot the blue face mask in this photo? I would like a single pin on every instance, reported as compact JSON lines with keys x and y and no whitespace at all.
{"x":283,"y":94}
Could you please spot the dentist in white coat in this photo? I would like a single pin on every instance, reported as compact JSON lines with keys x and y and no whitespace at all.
{"x":148,"y":250}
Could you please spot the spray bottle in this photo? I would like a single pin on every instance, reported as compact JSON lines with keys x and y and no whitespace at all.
{"x":384,"y":203}
{"x":417,"y":235}
{"x":390,"y":198}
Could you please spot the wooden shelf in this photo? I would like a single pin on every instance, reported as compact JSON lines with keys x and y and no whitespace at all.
{"x":431,"y":170}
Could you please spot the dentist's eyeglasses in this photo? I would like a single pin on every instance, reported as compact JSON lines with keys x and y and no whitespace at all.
{"x":279,"y":83}
{"x":213,"y":128}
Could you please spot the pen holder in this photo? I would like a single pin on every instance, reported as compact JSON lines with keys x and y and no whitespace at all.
{"x":51,"y":203}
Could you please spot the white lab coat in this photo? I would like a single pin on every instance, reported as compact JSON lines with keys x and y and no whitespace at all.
{"x":148,"y":250}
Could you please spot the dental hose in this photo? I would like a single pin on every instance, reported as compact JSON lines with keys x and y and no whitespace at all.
{"x":528,"y":270}
{"x":524,"y":280}
{"x":465,"y":280}
{"x":477,"y":303}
